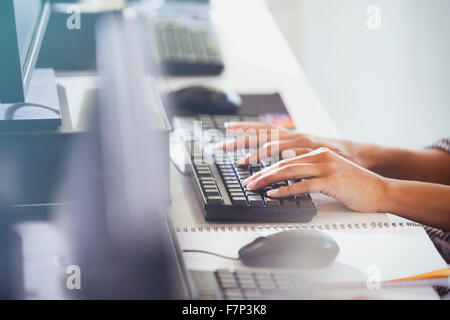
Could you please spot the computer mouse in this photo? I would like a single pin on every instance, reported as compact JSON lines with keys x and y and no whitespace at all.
{"x":198,"y":99}
{"x":293,"y":249}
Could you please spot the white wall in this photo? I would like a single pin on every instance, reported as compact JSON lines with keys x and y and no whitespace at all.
{"x":390,"y":86}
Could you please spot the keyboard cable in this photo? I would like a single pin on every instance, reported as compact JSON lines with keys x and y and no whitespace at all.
{"x":211,"y":253}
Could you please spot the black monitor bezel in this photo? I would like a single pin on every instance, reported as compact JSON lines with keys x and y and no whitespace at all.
{"x":15,"y":77}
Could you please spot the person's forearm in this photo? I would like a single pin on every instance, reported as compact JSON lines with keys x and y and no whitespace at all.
{"x":428,"y":165}
{"x":426,"y":203}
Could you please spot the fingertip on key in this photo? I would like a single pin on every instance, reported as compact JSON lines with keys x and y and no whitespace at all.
{"x":272,"y":192}
{"x":246,"y":181}
{"x":251,"y":185}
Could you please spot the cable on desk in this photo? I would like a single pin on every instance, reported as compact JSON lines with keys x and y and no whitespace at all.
{"x":212,"y":253}
{"x":9,"y":113}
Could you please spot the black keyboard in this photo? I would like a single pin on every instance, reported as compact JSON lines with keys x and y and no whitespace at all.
{"x":251,"y":284}
{"x":218,"y":182}
{"x":188,"y":51}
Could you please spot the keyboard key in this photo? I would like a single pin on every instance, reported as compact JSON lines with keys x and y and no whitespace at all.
{"x":204,"y":173}
{"x":248,"y":284}
{"x":224,"y":166}
{"x":237,"y":194}
{"x":238,"y":296}
{"x":288,"y":202}
{"x":232,"y":181}
{"x":285,"y":285}
{"x":230,"y":177}
{"x":211,"y":192}
{"x":241,"y":201}
{"x":227,"y":171}
{"x":244,"y":276}
{"x":228,"y":174}
{"x":210,"y":186}
{"x":214,"y":200}
{"x":280,"y":184}
{"x":243,"y":272}
{"x":223,"y":161}
{"x":264,"y":277}
{"x":267,"y":285}
{"x":256,"y":201}
{"x":207,"y":182}
{"x":252,"y":294}
{"x":302,"y":197}
{"x":279,"y":275}
{"x":307,"y":204}
{"x":272,"y":202}
{"x":224,"y":273}
{"x":243,"y":172}
{"x":228,"y":284}
{"x":255,"y":168}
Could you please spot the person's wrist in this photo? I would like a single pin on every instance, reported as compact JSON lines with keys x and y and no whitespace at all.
{"x":370,"y":156}
{"x":387,"y":194}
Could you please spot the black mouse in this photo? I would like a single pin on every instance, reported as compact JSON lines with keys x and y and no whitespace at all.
{"x":208,"y":100}
{"x":293,"y":249}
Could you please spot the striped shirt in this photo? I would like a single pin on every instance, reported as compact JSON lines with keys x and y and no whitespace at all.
{"x":440,"y":238}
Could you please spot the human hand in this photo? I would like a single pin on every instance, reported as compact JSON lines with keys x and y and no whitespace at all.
{"x":324,"y":171}
{"x":271,"y":141}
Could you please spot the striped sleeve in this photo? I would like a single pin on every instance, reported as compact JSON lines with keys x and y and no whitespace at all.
{"x":440,"y":238}
{"x":443,"y":144}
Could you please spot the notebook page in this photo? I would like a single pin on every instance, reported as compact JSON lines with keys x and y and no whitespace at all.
{"x":392,"y":253}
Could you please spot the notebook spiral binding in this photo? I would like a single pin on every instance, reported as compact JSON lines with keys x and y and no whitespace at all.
{"x":334,"y":226}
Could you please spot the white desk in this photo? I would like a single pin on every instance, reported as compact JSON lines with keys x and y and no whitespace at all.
{"x":257,"y":59}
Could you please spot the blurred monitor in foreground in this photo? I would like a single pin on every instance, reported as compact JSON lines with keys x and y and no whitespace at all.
{"x":119,"y":179}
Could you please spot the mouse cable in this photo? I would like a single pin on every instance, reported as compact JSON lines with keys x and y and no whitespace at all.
{"x":212,"y":253}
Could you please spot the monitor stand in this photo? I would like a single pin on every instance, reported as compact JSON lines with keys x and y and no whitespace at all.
{"x":40,"y":111}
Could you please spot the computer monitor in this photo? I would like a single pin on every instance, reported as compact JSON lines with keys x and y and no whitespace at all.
{"x":28,"y":97}
{"x":22,"y":27}
{"x":118,"y":177}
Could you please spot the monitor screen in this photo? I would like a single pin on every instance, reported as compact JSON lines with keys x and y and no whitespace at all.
{"x":27,"y":14}
{"x":22,"y":27}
